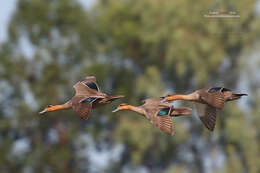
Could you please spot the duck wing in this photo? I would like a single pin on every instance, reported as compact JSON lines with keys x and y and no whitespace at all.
{"x":213,"y":97}
{"x":82,"y":105}
{"x":90,"y":82}
{"x":82,"y":89}
{"x":160,"y":117}
{"x":207,"y":115}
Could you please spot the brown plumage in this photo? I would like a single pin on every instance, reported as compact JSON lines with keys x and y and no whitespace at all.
{"x":207,"y":101}
{"x":158,"y":113}
{"x":87,"y":96}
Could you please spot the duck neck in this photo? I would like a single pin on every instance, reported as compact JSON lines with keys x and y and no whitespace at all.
{"x":66,"y":105}
{"x":188,"y":97}
{"x":137,"y":109}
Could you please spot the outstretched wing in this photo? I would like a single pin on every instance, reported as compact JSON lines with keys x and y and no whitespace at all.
{"x":90,"y":81}
{"x":82,"y":89}
{"x":161,"y":119}
{"x":83,"y":105}
{"x":207,"y":114}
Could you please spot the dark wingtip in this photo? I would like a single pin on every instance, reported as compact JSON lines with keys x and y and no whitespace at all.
{"x":211,"y":129}
{"x":207,"y":124}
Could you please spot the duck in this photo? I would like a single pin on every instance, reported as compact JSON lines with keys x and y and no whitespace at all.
{"x":157,"y":112}
{"x":87,"y":97}
{"x":207,"y":102}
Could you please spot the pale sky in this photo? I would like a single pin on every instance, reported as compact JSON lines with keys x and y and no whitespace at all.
{"x":6,"y":10}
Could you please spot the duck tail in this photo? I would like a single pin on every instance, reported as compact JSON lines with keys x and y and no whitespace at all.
{"x":236,"y":96}
{"x":181,"y":111}
{"x":112,"y":98}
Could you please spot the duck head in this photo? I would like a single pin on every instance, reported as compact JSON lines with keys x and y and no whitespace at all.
{"x":166,"y":98}
{"x":122,"y":106}
{"x":48,"y":108}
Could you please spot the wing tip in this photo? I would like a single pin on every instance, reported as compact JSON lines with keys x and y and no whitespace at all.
{"x":210,"y":128}
{"x":207,"y":124}
{"x":90,"y":77}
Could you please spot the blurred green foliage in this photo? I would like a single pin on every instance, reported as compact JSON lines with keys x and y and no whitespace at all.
{"x":140,"y":49}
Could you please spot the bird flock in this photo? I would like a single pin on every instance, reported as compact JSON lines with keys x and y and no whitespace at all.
{"x":158,"y":111}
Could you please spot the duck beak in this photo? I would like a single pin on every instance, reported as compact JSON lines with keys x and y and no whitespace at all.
{"x":163,"y":99}
{"x":42,"y":112}
{"x":115,"y":110}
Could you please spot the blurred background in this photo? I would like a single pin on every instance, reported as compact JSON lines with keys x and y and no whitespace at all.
{"x":138,"y":48}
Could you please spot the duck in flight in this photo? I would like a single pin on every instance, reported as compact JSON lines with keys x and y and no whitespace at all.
{"x":207,"y":101}
{"x":158,"y":113}
{"x":87,"y":96}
